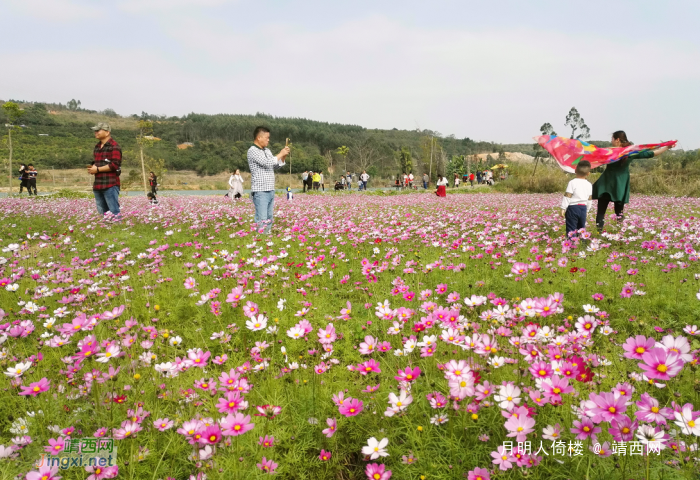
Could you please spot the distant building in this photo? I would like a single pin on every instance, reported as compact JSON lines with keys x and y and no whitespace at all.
{"x":186,"y":145}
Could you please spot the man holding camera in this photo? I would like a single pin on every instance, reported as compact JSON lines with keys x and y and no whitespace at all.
{"x":106,"y":167}
{"x":262,"y":165}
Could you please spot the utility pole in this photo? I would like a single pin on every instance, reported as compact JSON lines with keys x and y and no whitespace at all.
{"x":430,"y":171}
{"x":9,"y":135}
{"x":53,"y":176}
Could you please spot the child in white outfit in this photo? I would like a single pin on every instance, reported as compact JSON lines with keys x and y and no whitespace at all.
{"x":577,"y":198}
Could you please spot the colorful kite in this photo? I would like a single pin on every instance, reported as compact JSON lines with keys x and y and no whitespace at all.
{"x":568,"y":151}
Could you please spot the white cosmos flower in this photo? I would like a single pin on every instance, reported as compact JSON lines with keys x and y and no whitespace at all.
{"x":376,"y":449}
{"x":257,"y":323}
{"x":174,"y":341}
{"x":18,"y":370}
{"x":295,"y":332}
{"x":12,"y":287}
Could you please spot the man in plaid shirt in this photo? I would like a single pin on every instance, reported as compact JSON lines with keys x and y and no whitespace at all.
{"x":106,"y":167}
{"x":262,"y":165}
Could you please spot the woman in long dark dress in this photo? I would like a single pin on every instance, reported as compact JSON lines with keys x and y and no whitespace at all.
{"x":614,"y":184}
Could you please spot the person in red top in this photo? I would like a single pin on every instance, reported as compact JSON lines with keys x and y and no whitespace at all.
{"x":471,"y":179}
{"x":106,"y":167}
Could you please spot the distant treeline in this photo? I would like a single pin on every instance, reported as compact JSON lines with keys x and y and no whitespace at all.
{"x":57,"y":135}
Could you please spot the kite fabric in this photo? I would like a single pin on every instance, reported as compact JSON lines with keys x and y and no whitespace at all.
{"x":568,"y":152}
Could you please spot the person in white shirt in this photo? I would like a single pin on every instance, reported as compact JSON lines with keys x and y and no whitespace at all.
{"x":262,"y":165}
{"x":410,"y":180}
{"x":364,"y":178}
{"x":236,"y":185}
{"x":577,"y":199}
{"x":456,"y":180}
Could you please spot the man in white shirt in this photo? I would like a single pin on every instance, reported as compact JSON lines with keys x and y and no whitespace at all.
{"x":348,"y":180}
{"x":304,"y":178}
{"x":262,"y":171}
{"x":410,"y":180}
{"x":577,"y":199}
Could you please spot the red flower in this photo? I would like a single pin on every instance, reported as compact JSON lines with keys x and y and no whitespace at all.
{"x":377,"y":240}
{"x":573,"y":270}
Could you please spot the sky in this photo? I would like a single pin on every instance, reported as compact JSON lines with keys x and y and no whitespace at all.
{"x":492,"y":71}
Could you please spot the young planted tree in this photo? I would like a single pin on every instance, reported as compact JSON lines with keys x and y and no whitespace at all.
{"x":404,"y":160}
{"x":145,"y":139}
{"x":343,"y":152}
{"x":575,"y":121}
{"x":13,"y":114}
{"x":545,"y":129}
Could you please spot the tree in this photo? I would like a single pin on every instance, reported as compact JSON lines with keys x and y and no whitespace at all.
{"x":404,"y":160}
{"x":575,"y":121}
{"x":456,"y":165}
{"x":365,"y":152}
{"x":73,"y":104}
{"x":13,"y":114}
{"x":144,"y":139}
{"x":343,"y":152}
{"x":547,"y":129}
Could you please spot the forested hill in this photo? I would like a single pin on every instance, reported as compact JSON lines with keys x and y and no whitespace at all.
{"x":57,"y":135}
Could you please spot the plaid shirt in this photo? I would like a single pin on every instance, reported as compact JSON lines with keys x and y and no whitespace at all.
{"x":108,"y":155}
{"x":262,"y":165}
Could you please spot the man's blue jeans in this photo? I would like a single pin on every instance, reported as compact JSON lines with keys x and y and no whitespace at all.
{"x":107,"y":200}
{"x":264,"y":207}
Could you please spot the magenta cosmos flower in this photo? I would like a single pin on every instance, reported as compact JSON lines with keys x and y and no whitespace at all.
{"x":234,"y":425}
{"x":267,"y":466}
{"x":478,"y":474}
{"x":332,"y":426}
{"x":376,"y":471}
{"x":351,"y":407}
{"x":660,"y":364}
{"x":408,"y":375}
{"x":637,"y":346}
{"x":35,"y":388}
{"x":585,"y":429}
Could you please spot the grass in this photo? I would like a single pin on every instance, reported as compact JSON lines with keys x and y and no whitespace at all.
{"x":461,"y":242}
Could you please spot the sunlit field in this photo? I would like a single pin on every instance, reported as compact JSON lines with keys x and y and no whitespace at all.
{"x":369,"y":337}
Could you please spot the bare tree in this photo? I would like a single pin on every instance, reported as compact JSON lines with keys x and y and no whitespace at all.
{"x":364,"y":153}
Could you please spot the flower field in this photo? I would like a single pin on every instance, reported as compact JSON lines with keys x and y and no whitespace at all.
{"x":369,"y":337}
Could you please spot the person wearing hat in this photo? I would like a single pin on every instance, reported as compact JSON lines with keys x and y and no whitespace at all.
{"x":106,"y":167}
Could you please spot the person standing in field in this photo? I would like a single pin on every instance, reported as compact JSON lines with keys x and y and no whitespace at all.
{"x":153,"y":182}
{"x":364,"y":178}
{"x":31,"y":182}
{"x":304,"y":178}
{"x":262,"y":165}
{"x":410,"y":180}
{"x":348,"y":180}
{"x":577,"y":199}
{"x":323,"y":182}
{"x":316,"y":179}
{"x":441,"y":186}
{"x":471,"y":179}
{"x":236,"y":185}
{"x":23,"y":178}
{"x":426,"y":180}
{"x":614,"y":184}
{"x":456,"y":180}
{"x":106,"y":167}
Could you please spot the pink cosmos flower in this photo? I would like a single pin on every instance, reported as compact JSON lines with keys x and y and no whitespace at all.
{"x":376,"y":471}
{"x":267,"y":441}
{"x":605,"y":450}
{"x":351,"y":407}
{"x":232,"y":403}
{"x":332,"y":426}
{"x":541,"y":370}
{"x":555,"y":387}
{"x":648,"y":410}
{"x":267,"y":466}
{"x":623,"y":430}
{"x":607,"y":407}
{"x":660,"y":364}
{"x":519,"y":427}
{"x":502,"y":458}
{"x":35,"y":388}
{"x":44,"y":473}
{"x":163,"y":424}
{"x":637,"y":346}
{"x":370,"y":366}
{"x":585,"y":429}
{"x":55,"y":446}
{"x":368,"y":346}
{"x":324,"y":456}
{"x":234,"y":425}
{"x":211,"y":435}
{"x":408,"y":374}
{"x":478,"y":474}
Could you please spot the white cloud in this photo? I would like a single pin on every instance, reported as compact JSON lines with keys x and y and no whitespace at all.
{"x":488,"y":85}
{"x":167,"y":6}
{"x":55,"y":10}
